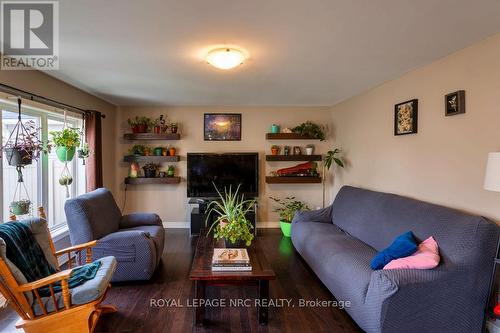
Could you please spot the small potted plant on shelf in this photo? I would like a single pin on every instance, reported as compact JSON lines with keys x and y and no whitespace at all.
{"x":171,"y":171}
{"x":150,"y":170}
{"x":171,"y":151}
{"x":139,"y":124}
{"x":174,"y":127}
{"x":231,"y":223}
{"x":137,"y":150}
{"x":20,"y":207}
{"x":310,"y":129}
{"x":309,"y":149}
{"x":275,"y":150}
{"x":66,"y":142}
{"x":286,"y":209}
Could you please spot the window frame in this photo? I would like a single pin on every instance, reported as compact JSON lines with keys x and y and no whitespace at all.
{"x":58,"y":230}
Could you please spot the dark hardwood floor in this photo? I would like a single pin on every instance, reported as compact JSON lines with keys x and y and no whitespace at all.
{"x":294,"y":281}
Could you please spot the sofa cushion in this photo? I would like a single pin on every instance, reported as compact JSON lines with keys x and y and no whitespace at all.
{"x":426,"y":257}
{"x":403,"y":246}
{"x":340,"y":261}
{"x":85,"y":293}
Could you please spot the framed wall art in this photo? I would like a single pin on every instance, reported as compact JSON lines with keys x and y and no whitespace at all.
{"x":454,"y":103}
{"x":222,"y":126}
{"x":406,"y":117}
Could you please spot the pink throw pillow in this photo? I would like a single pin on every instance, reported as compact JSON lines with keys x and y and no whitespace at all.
{"x":426,"y":257}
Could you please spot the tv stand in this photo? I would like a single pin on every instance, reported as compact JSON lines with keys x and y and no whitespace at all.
{"x":199,"y":216}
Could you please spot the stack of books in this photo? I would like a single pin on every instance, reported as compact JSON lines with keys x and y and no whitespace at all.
{"x":227,"y":260}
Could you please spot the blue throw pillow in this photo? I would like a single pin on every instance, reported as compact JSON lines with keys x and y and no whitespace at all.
{"x":403,"y":246}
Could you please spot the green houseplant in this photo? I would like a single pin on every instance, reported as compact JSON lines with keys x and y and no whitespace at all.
{"x":150,"y":170}
{"x":310,"y":129}
{"x":286,"y":209}
{"x":20,"y":207}
{"x":231,"y":223}
{"x":66,"y":142}
{"x":140,"y":124}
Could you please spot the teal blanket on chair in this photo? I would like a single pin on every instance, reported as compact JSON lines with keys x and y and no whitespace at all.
{"x":24,"y":251}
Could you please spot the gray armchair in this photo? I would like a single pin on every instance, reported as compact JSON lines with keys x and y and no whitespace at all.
{"x":135,"y":240}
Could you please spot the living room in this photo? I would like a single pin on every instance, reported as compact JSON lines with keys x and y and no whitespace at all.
{"x":238,"y":167}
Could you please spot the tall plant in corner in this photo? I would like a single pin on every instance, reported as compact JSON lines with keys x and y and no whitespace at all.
{"x":331,"y":157}
{"x":230,"y":222}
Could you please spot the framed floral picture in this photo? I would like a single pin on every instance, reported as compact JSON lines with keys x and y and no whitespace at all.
{"x":454,"y":103}
{"x":222,"y":127}
{"x":406,"y":117}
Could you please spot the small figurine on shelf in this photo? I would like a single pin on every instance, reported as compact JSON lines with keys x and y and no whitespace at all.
{"x":134,"y":170}
{"x":170,"y":171}
{"x":275,"y":150}
{"x":163,"y":124}
{"x":286,"y":150}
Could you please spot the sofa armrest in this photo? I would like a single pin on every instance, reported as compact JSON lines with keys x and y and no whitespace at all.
{"x":320,"y":215}
{"x":139,"y":219}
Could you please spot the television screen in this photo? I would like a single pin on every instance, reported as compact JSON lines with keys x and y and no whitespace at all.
{"x":223,"y":170}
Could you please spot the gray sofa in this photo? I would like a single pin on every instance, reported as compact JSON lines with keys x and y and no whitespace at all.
{"x":339,"y":242}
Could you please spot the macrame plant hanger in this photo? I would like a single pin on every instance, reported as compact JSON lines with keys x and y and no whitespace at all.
{"x":66,"y":179}
{"x":84,"y":147}
{"x":21,"y":203}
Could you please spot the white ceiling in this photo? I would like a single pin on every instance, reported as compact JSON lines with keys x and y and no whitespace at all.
{"x":315,"y":52}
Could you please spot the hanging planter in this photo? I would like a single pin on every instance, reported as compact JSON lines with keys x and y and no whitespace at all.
{"x":64,"y":154}
{"x":66,"y":142}
{"x":21,"y":203}
{"x":21,"y":207}
{"x":23,"y":145}
{"x":17,"y":156}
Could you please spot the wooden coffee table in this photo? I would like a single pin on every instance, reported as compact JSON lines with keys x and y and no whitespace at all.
{"x":202,"y":275}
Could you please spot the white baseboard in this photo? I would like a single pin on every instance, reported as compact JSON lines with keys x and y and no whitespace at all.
{"x":186,"y":225}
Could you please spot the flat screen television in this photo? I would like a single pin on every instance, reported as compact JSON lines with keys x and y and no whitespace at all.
{"x":206,"y":169}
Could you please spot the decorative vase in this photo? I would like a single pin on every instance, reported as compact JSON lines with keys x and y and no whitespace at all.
{"x":18,"y":157}
{"x":236,"y":245}
{"x":286,"y":228}
{"x":275,"y":128}
{"x":64,"y":154}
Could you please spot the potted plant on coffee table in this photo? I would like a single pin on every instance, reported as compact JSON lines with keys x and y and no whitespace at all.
{"x":66,"y":142}
{"x":286,"y":209}
{"x":231,"y":223}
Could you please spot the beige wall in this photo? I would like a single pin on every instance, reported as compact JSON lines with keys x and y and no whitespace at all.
{"x":445,"y":162}
{"x":170,"y":201}
{"x":44,"y":85}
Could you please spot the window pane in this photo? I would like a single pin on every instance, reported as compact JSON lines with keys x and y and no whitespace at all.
{"x":31,"y":173}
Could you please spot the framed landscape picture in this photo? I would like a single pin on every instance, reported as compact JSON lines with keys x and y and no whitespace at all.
{"x":455,"y":103}
{"x":222,"y":126}
{"x":406,"y":117}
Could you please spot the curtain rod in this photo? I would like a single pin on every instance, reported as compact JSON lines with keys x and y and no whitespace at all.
{"x":44,"y":100}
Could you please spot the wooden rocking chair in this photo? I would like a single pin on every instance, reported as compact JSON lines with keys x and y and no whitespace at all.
{"x":56,"y":313}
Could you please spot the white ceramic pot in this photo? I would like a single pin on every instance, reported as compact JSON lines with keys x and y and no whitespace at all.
{"x":309,"y":150}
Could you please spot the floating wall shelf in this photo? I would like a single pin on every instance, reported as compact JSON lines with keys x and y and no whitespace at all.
{"x":288,"y":136}
{"x":157,"y":159}
{"x":151,"y":136}
{"x":156,"y":180}
{"x":293,"y":180}
{"x":277,"y":158}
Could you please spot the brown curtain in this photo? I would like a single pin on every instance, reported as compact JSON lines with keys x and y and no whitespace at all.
{"x":93,"y":133}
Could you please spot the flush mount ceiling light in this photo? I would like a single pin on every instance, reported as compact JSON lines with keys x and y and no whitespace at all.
{"x":225,"y":58}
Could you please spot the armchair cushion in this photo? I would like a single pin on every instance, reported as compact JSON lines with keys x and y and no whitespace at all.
{"x":88,"y":292}
{"x":139,"y":219}
{"x":157,"y":234}
{"x":320,"y":215}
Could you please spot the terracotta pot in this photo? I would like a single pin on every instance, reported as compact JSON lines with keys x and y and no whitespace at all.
{"x":275,"y":151}
{"x":157,"y":130}
{"x":171,"y":152}
{"x":142,"y":128}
